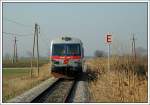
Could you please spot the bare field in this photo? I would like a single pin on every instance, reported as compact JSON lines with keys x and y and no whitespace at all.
{"x":18,"y":81}
{"x":126,"y":81}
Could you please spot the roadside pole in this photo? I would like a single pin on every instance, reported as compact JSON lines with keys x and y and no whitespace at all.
{"x":35,"y":41}
{"x":108,"y":42}
{"x":108,"y":57}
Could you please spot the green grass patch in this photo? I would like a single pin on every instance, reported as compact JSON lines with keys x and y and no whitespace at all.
{"x":24,"y":62}
{"x":15,"y":72}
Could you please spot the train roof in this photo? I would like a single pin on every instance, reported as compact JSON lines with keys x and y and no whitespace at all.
{"x":65,"y":39}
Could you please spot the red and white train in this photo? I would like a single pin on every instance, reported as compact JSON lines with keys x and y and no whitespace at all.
{"x":66,"y":55}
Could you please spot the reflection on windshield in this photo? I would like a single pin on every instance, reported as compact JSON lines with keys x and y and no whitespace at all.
{"x":66,"y":50}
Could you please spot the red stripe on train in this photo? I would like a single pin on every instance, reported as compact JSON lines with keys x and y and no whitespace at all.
{"x":66,"y":57}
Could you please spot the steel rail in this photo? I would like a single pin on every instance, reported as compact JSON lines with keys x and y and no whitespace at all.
{"x":59,"y":92}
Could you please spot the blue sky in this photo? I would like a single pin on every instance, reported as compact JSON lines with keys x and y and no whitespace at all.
{"x":87,"y":21}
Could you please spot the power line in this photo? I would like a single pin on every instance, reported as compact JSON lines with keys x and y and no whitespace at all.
{"x":18,"y":23}
{"x":45,"y":41}
{"x":9,"y":33}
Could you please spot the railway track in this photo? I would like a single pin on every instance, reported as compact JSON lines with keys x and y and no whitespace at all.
{"x":59,"y":92}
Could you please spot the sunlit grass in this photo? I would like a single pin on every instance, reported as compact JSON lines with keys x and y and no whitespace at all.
{"x":126,"y":81}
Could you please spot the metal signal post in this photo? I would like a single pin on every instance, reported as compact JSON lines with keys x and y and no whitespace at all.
{"x":108,"y":57}
{"x":108,"y":41}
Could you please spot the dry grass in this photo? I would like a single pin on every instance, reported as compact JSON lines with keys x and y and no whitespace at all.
{"x":17,"y":85}
{"x":126,"y":81}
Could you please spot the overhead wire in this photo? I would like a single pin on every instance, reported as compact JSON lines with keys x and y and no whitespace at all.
{"x":18,"y":23}
{"x":9,"y":33}
{"x":44,"y":41}
{"x":21,"y":24}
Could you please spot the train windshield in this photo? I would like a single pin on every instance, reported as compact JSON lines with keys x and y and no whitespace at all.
{"x":66,"y":50}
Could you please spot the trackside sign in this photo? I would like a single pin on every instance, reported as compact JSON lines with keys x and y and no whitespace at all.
{"x":108,"y":41}
{"x":109,"y":38}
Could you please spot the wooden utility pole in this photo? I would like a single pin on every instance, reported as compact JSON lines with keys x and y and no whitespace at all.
{"x":133,"y":48}
{"x":32,"y":58}
{"x":16,"y":51}
{"x":134,"y":60}
{"x":15,"y":56}
{"x":36,"y":32}
{"x":37,"y":42}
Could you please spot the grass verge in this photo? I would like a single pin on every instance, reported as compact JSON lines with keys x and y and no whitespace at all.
{"x":126,"y":81}
{"x":16,"y":81}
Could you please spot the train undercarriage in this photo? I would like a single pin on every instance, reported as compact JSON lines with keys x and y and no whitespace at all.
{"x":66,"y":72}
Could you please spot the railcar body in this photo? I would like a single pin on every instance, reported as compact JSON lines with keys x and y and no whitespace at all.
{"x":66,"y":55}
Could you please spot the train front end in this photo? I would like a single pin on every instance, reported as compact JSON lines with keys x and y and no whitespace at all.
{"x":66,"y":57}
